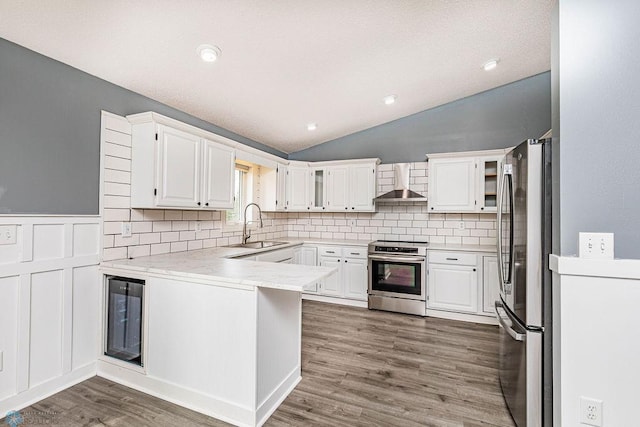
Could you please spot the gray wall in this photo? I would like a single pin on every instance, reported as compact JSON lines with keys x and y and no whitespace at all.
{"x":50,"y":132}
{"x":599,"y":111}
{"x":497,"y":118}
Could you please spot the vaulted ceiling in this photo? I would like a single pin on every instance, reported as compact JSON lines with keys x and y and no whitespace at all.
{"x":288,"y":63}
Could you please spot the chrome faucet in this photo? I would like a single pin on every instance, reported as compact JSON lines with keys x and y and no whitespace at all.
{"x":246,"y":236}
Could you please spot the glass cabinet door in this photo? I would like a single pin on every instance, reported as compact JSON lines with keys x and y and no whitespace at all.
{"x":318,"y":183}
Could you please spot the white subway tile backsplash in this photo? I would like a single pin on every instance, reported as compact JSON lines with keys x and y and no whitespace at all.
{"x":179,"y":246}
{"x":116,"y":215}
{"x":160,"y":248}
{"x":138,"y":251}
{"x":149,"y":238}
{"x":172,"y":215}
{"x":169,"y":236}
{"x":141,"y":227}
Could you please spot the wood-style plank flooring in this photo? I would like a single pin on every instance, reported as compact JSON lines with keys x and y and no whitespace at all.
{"x":359,"y":368}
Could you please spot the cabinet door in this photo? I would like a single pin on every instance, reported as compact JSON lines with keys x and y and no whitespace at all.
{"x":318,"y":188}
{"x":488,"y":183}
{"x":179,"y":168}
{"x":452,"y":185}
{"x":355,"y":278}
{"x":338,"y":188}
{"x":453,"y":287}
{"x":298,"y":189}
{"x":307,"y":256}
{"x":281,"y":188}
{"x":219,"y":169}
{"x":331,"y":285}
{"x":362,"y":187}
{"x":490,"y":285}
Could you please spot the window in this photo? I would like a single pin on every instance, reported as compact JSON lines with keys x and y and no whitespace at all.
{"x":242,"y":195}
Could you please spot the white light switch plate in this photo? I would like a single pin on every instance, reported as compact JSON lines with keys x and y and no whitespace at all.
{"x":8,"y":234}
{"x":126,"y":229}
{"x":595,"y":245}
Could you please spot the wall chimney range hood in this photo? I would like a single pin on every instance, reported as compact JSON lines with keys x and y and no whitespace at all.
{"x":401,"y":191}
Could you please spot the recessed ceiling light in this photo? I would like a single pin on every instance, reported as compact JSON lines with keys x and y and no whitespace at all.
{"x":490,"y":65}
{"x":312,"y":126}
{"x":209,"y":53}
{"x":390,"y":99}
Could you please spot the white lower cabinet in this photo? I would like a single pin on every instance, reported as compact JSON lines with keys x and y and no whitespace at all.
{"x":350,"y":279}
{"x":355,"y":278}
{"x":306,"y":255}
{"x":453,"y":287}
{"x":331,"y":285}
{"x":462,"y":282}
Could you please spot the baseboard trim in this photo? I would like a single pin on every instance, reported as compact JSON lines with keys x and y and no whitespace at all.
{"x":277,"y":396}
{"x":487,"y":320}
{"x":182,"y":396}
{"x":335,"y":300}
{"x":47,"y":389}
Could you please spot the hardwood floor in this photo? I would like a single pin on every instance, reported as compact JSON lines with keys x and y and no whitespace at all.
{"x":359,"y":368}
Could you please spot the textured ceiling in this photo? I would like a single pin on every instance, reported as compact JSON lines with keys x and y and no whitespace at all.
{"x":286,"y":63}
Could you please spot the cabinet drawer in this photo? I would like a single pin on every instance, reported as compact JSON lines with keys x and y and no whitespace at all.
{"x":354,"y":252}
{"x":330,"y":251}
{"x":457,"y":258}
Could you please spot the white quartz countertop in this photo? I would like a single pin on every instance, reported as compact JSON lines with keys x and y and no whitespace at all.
{"x":213,"y":266}
{"x":217,"y":266}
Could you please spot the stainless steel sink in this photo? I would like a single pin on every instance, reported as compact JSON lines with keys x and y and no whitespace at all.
{"x":258,"y":245}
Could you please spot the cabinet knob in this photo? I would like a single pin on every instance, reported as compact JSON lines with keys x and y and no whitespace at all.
{"x":482,"y":208}
{"x":345,"y":260}
{"x":323,"y":207}
{"x":431,"y":208}
{"x":474,"y":269}
{"x":352,"y":207}
{"x":308,"y":207}
{"x":346,"y":207}
{"x":206,"y":204}
{"x":198,"y":203}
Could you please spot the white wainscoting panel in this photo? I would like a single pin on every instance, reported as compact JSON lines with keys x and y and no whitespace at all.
{"x":9,"y":287}
{"x":45,"y":344}
{"x":51,"y":294}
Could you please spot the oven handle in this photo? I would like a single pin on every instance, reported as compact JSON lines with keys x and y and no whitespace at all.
{"x":413,"y":260}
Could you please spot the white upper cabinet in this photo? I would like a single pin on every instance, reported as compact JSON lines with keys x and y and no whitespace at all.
{"x":179,"y":171}
{"x":174,"y":166}
{"x":337,"y":188}
{"x":362,"y":187}
{"x":219,"y":166}
{"x":452,"y":185}
{"x":318,"y":190}
{"x":464,"y":182}
{"x":298,"y":188}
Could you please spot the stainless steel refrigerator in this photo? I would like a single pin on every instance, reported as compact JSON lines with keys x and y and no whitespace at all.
{"x":524,"y":308}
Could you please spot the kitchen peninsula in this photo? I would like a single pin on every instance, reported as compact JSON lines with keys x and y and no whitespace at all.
{"x":220,"y":336}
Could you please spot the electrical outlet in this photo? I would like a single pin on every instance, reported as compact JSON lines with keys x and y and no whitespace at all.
{"x":595,"y":245}
{"x":8,"y":234}
{"x":590,"y":411}
{"x":198,"y":226}
{"x":461,"y":225}
{"x":126,"y":229}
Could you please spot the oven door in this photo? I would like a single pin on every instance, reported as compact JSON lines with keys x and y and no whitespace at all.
{"x":397,"y":276}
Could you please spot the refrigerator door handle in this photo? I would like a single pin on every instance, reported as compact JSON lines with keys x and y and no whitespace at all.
{"x":506,"y":323}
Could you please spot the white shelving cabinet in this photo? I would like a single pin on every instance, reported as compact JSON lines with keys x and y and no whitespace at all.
{"x":464,"y":182}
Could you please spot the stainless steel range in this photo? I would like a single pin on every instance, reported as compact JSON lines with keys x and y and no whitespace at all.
{"x":397,"y":276}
